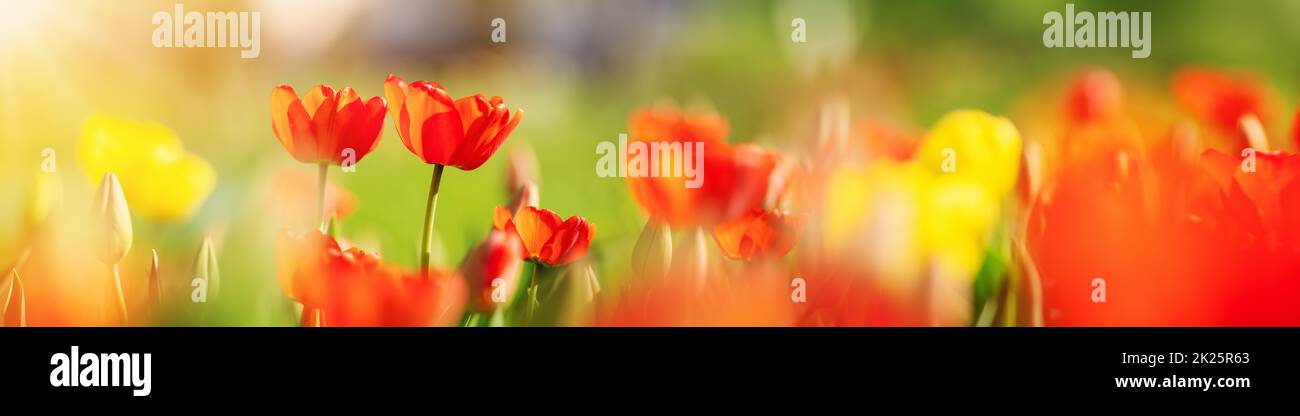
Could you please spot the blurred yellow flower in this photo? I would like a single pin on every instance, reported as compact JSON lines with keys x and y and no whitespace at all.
{"x":984,"y":149}
{"x":160,"y":179}
{"x":958,"y":219}
{"x":974,"y":158}
{"x":935,"y":212}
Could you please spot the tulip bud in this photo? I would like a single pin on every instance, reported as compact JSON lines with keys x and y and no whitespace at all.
{"x":205,"y":266}
{"x":155,"y":287}
{"x":590,"y":283}
{"x":567,"y":299}
{"x":114,"y":220}
{"x":527,"y":196}
{"x":492,"y":270}
{"x":653,"y":252}
{"x":15,"y":305}
{"x":692,"y":260}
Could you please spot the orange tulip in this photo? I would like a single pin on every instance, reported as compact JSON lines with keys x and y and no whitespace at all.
{"x":324,"y":124}
{"x":735,"y":177}
{"x":759,"y":234}
{"x":544,"y":237}
{"x":499,"y":256}
{"x":351,"y":287}
{"x":463,"y":133}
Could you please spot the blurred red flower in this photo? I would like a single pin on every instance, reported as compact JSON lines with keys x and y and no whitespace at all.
{"x":352,"y":287}
{"x":499,"y":256}
{"x":677,"y":301}
{"x":322,"y":125}
{"x":1094,"y":95}
{"x":1222,"y":99}
{"x":1168,"y":238}
{"x":759,"y":234}
{"x":735,"y":177}
{"x":463,"y":133}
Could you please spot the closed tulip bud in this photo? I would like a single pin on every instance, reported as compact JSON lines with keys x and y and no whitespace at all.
{"x":567,"y":299}
{"x":653,"y":253}
{"x":205,"y":266}
{"x":15,"y":302}
{"x":590,"y":283}
{"x":113,"y":220}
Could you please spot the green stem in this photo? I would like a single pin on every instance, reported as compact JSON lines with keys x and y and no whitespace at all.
{"x":320,"y":195}
{"x":532,"y":292}
{"x":426,"y":244}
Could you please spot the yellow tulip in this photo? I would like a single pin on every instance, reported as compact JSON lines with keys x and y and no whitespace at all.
{"x":917,"y":215}
{"x":974,"y":159}
{"x":959,"y":217}
{"x":160,"y":179}
{"x":984,"y":149}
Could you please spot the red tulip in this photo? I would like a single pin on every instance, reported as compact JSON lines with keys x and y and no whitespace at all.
{"x":463,"y":133}
{"x":1263,"y":205}
{"x":323,"y":124}
{"x":1200,"y":242}
{"x":759,"y":234}
{"x":499,"y":256}
{"x":1222,"y":99}
{"x":735,"y":177}
{"x":544,"y":237}
{"x":352,"y":287}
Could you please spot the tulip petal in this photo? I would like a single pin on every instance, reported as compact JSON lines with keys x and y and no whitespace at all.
{"x":292,"y":124}
{"x":439,"y":131}
{"x":536,"y":227}
{"x":731,"y":238}
{"x":569,"y":243}
{"x":500,"y":135}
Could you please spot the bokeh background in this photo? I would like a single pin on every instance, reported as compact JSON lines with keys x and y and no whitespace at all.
{"x":577,"y":67}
